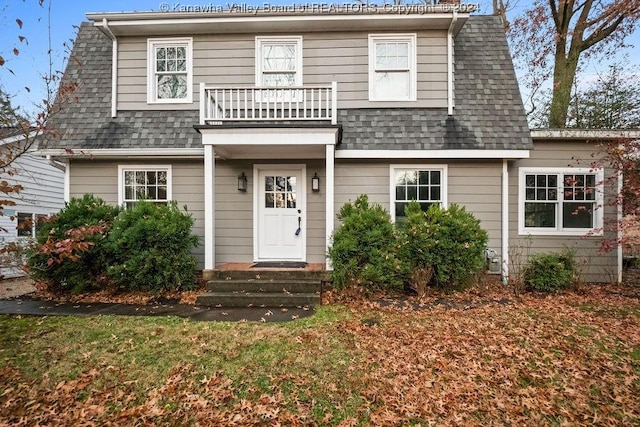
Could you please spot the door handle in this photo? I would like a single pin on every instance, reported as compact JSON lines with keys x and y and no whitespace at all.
{"x":299,"y":225}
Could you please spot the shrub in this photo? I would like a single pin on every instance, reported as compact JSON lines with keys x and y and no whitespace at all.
{"x":548,"y":272}
{"x":151,"y":248}
{"x":364,"y":248}
{"x":69,"y":254}
{"x":448,"y":244}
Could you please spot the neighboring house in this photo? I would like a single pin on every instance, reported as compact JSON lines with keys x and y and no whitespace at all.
{"x":42,"y":182}
{"x":264,"y":124}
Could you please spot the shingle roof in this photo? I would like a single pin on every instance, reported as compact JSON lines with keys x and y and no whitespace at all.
{"x":488,"y":108}
{"x":489,"y":113}
{"x":87,"y":123}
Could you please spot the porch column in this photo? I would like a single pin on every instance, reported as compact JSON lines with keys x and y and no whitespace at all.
{"x":329,"y":198}
{"x":209,"y":208}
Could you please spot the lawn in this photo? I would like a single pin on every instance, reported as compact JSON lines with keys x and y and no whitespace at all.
{"x":569,"y":358}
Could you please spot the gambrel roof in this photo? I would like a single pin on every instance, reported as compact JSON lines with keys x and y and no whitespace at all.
{"x":489,"y":113}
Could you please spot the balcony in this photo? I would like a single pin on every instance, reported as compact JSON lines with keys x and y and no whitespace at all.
{"x":220,"y":105}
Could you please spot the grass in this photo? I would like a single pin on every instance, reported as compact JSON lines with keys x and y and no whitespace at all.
{"x":570,"y":358}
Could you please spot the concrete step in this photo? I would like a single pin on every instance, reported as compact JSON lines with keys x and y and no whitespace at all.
{"x":270,"y":274}
{"x":271,"y":300}
{"x":264,"y":286}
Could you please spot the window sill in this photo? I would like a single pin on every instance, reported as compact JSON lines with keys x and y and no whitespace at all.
{"x":562,"y":233}
{"x":170,"y":102}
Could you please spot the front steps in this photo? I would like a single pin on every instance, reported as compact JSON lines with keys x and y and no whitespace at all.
{"x":263,"y":288}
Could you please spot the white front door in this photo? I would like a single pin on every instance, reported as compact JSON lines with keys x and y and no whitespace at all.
{"x":280,"y":213}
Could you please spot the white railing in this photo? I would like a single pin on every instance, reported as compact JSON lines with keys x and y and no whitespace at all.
{"x":251,"y":104}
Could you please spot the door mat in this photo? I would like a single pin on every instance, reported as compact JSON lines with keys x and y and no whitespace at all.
{"x":279,"y":264}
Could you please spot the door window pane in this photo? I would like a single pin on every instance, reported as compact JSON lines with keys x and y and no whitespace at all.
{"x":280,"y":191}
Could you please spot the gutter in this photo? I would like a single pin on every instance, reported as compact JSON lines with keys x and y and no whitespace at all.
{"x":114,"y":67}
{"x":452,"y":25}
{"x":177,"y":153}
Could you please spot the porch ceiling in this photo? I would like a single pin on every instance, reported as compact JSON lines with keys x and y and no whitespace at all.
{"x":263,"y":152}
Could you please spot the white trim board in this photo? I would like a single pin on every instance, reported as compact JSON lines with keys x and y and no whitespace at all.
{"x":269,"y":136}
{"x":124,"y":152}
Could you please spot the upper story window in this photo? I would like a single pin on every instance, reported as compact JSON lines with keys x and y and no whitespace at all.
{"x":151,"y":183}
{"x":170,"y":71}
{"x":392,"y":67}
{"x":278,"y":61}
{"x":424,"y":184}
{"x":560,"y":201}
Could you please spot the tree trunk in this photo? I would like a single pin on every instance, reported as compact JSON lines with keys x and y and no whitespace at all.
{"x":564,"y":73}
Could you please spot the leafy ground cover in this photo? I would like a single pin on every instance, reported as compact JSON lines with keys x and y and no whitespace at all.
{"x":484,"y":357}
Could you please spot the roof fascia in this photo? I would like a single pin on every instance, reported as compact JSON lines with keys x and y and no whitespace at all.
{"x":158,"y":23}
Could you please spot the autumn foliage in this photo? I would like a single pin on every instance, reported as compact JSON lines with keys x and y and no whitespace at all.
{"x":485,"y":359}
{"x":90,"y":245}
{"x":69,"y":254}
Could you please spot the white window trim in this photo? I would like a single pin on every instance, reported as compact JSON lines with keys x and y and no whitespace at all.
{"x":34,"y":216}
{"x":444,"y":172}
{"x":124,"y":168}
{"x":260,"y":40}
{"x":413,"y":64}
{"x":598,"y":216}
{"x":151,"y":72}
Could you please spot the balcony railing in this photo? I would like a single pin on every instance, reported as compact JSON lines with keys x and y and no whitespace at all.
{"x":267,"y":104}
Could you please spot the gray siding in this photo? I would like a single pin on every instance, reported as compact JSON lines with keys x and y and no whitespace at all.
{"x":229,"y":60}
{"x":100,"y":177}
{"x":42,"y":193}
{"x":594,"y":267}
{"x":477,"y":186}
{"x":234,"y":212}
{"x":233,"y":209}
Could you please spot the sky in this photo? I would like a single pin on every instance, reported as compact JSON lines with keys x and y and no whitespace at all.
{"x":32,"y":61}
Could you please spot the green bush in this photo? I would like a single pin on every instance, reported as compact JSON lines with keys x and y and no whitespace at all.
{"x":151,"y":248}
{"x":70,"y":255}
{"x":448,"y":243}
{"x":364,"y":248}
{"x":548,"y":272}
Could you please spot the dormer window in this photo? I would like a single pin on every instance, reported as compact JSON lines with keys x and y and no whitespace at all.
{"x":170,"y":70}
{"x":392,"y":67}
{"x":278,"y":61}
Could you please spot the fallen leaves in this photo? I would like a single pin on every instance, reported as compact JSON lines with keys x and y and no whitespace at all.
{"x":571,"y":358}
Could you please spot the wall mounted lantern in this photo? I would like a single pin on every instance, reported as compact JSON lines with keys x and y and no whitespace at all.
{"x":242,"y":182}
{"x":315,"y":183}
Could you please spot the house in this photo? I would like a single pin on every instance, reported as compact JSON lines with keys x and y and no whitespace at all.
{"x":42,"y":182}
{"x":264,"y":122}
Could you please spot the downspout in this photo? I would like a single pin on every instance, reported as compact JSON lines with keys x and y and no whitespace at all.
{"x":64,"y":167}
{"x":114,"y":68}
{"x":454,"y":18}
{"x":505,"y":221}
{"x":620,"y":233}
